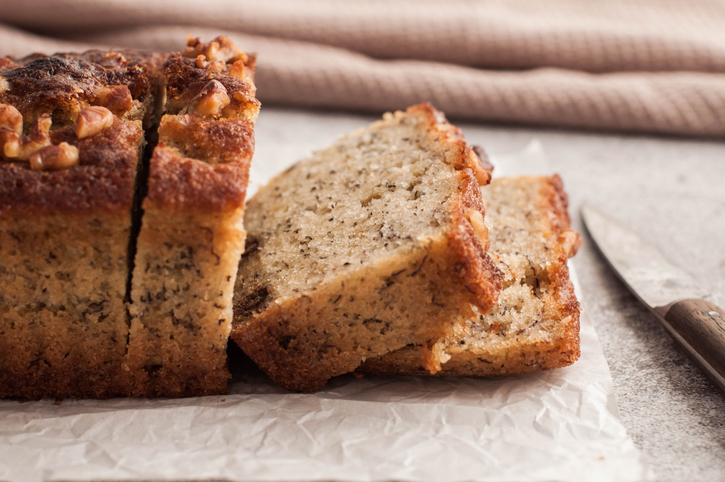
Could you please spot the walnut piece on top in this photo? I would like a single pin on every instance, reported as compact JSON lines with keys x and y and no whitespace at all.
{"x":92,"y":120}
{"x":53,"y":157}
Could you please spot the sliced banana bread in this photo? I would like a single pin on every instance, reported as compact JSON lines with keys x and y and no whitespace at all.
{"x":535,"y":325}
{"x":192,"y":235}
{"x":70,"y":144}
{"x":372,"y":244}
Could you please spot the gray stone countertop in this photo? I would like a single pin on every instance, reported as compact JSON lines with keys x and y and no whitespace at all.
{"x":669,"y":190}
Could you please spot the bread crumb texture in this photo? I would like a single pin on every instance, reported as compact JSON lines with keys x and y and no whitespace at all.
{"x":363,"y":248}
{"x":535,"y":325}
{"x":63,"y":327}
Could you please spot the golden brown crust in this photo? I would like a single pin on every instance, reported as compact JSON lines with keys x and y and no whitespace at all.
{"x":555,"y":203}
{"x":476,"y":269}
{"x":460,"y":155}
{"x":178,"y":183}
{"x":103,"y":180}
{"x":217,"y":142}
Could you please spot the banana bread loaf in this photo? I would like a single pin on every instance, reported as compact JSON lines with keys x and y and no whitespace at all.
{"x":372,"y":244}
{"x":117,"y":271}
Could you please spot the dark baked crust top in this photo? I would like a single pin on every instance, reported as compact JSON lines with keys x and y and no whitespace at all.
{"x":103,"y":180}
{"x":64,"y":84}
{"x":61,"y":86}
{"x":135,"y":69}
{"x":52,"y":85}
{"x":185,"y":80}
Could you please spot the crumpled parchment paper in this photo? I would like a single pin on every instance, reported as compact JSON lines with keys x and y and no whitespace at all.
{"x":556,"y":425}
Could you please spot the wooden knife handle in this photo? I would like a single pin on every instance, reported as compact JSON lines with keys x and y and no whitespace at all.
{"x":701,"y":325}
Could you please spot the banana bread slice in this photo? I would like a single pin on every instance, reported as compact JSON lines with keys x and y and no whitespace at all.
{"x":192,"y":235}
{"x":535,"y":325}
{"x":372,"y":244}
{"x":70,"y":143}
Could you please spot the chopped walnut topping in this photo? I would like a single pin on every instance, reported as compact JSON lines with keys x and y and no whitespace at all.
{"x":116,"y":98}
{"x":113,"y":59}
{"x":238,"y":70}
{"x":194,"y":47}
{"x":8,"y":63}
{"x":57,"y":157}
{"x":216,"y":66}
{"x":4,"y":85}
{"x":37,"y":138}
{"x":9,"y":143}
{"x":91,"y":121}
{"x":115,"y":56}
{"x":221,"y":48}
{"x":19,"y":148}
{"x":212,"y":99}
{"x":11,"y":118}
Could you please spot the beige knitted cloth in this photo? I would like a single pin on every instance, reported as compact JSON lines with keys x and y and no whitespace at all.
{"x":624,"y":65}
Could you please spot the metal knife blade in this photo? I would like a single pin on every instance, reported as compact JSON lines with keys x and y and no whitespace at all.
{"x":698,"y":326}
{"x":643,"y":267}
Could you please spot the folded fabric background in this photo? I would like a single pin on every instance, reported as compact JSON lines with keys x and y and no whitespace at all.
{"x":646,"y":66}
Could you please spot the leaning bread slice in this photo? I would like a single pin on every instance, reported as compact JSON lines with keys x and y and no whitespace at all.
{"x":535,"y":325}
{"x":191,"y":235}
{"x":372,"y":244}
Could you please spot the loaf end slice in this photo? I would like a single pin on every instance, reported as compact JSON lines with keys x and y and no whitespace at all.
{"x":192,"y":234}
{"x":372,"y":244}
{"x":535,"y":325}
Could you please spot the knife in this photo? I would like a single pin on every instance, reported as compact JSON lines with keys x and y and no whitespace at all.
{"x":672,"y":294}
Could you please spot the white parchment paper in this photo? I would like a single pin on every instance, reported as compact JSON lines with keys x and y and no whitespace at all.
{"x":556,"y":425}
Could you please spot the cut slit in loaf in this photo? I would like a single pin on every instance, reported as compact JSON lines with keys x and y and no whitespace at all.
{"x":372,"y":244}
